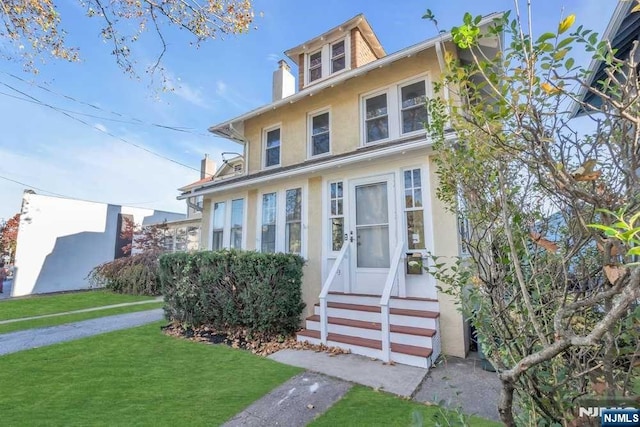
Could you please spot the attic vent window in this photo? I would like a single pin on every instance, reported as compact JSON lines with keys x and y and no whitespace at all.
{"x":237,"y":168}
{"x":315,"y":66}
{"x":338,"y":58}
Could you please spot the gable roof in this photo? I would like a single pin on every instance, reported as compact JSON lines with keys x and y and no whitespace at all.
{"x":622,"y":31}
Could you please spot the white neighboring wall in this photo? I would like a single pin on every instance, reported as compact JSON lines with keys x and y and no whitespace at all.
{"x":60,"y":240}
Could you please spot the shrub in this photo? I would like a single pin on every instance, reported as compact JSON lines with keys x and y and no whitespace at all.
{"x":135,"y":274}
{"x":257,"y":291}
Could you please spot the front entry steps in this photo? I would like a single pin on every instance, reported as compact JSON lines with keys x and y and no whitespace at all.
{"x":354,"y":323}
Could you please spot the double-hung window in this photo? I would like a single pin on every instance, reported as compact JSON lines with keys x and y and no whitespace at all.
{"x":281,"y":223}
{"x":272,"y":148}
{"x":315,"y":66}
{"x":412,"y":108}
{"x":237,"y":217}
{"x":338,"y":57}
{"x":293,"y":226}
{"x":414,"y":209}
{"x":396,"y":111}
{"x":217,"y":228}
{"x":268,"y":236}
{"x":320,"y":134}
{"x":377,"y":118}
{"x":336,"y":215}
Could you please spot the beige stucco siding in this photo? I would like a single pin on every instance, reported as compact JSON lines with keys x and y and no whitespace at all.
{"x":452,"y":325}
{"x":344,"y":103}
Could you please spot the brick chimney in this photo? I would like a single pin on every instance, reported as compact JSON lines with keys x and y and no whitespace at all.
{"x":284,"y":84}
{"x":207,"y":167}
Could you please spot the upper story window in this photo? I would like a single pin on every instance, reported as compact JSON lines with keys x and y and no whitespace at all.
{"x":320,"y":140}
{"x":377,"y":118}
{"x":237,"y":168}
{"x":414,"y":113}
{"x":272,"y":148}
{"x":315,"y":66}
{"x":338,"y":57}
{"x":396,"y":111}
{"x":329,"y":59}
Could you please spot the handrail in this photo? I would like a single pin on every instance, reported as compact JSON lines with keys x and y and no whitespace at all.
{"x":327,"y":287}
{"x":384,"y":301}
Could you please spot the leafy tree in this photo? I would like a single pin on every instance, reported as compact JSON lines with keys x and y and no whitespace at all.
{"x":149,"y":238}
{"x":9,"y":236}
{"x":34,"y":29}
{"x":552,"y":281}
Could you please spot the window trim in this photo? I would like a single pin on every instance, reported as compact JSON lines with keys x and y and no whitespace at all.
{"x":281,"y":216}
{"x":265,"y":132}
{"x":310,"y":116}
{"x":406,"y":209}
{"x":226,"y":228}
{"x":394,"y":109}
{"x":326,"y":64}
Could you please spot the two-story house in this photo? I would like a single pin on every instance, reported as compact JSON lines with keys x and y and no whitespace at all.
{"x":339,"y":169}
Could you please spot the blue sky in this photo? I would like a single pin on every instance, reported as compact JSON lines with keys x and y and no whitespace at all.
{"x":222,"y":79}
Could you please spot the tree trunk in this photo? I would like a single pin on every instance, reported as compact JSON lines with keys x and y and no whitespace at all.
{"x":505,"y":405}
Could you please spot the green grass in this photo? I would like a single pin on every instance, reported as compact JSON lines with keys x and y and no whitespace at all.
{"x":133,"y":377}
{"x":76,"y":317}
{"x":362,"y":406}
{"x":49,"y":304}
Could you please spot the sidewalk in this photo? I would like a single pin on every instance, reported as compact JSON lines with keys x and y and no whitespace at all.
{"x":33,"y":338}
{"x":84,"y":310}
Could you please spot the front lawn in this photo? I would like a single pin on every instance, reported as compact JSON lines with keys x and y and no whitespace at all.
{"x":362,"y":406}
{"x":75,"y":317}
{"x":134,"y":377}
{"x":58,"y":303}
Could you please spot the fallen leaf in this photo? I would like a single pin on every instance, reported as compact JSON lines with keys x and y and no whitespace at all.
{"x":310,"y":406}
{"x":614,"y":272}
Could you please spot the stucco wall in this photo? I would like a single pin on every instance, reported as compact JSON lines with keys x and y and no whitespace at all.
{"x":344,"y":102}
{"x":61,"y":240}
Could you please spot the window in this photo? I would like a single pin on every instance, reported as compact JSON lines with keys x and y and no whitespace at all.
{"x":320,"y":135}
{"x":193,"y":238}
{"x":293,"y":225}
{"x":315,"y":66}
{"x":272,"y":148}
{"x":268,"y":240}
{"x":394,"y":112}
{"x":237,"y":168}
{"x":413,"y":110}
{"x":414,"y":209}
{"x":167,"y":240}
{"x":377,"y":118}
{"x":181,"y":239}
{"x":218,"y":226}
{"x":338,"y":57}
{"x":464,"y":230}
{"x":237,"y":216}
{"x":336,"y":215}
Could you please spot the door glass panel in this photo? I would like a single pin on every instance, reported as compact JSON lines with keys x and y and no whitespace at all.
{"x":372,"y":226}
{"x":371,"y":204}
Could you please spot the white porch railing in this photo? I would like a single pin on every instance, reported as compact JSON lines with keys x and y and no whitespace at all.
{"x":342,"y":256}
{"x":392,"y":279}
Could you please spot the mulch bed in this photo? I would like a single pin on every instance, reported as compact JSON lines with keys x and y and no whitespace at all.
{"x":240,"y":338}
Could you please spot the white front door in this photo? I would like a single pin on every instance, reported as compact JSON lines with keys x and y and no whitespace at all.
{"x":372,"y":230}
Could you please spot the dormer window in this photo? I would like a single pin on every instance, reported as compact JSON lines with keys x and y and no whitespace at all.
{"x":327,"y":60}
{"x":315,"y":66}
{"x":338,"y":57}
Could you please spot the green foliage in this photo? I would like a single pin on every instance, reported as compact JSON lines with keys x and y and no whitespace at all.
{"x":258,"y":291}
{"x":133,"y":275}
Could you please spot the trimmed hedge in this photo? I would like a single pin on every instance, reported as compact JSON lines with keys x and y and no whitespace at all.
{"x":257,"y":291}
{"x":134,"y":275}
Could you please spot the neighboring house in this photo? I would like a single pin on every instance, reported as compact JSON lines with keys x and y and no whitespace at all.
{"x":621,"y":33}
{"x":61,"y":240}
{"x":341,"y":172}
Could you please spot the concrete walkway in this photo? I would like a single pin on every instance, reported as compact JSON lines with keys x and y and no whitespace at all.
{"x":455,"y":382}
{"x":84,"y":310}
{"x":33,"y":338}
{"x":295,"y":403}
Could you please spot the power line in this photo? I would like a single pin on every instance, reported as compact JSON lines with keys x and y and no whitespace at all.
{"x":119,"y":138}
{"x":71,"y":197}
{"x":130,"y":119}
